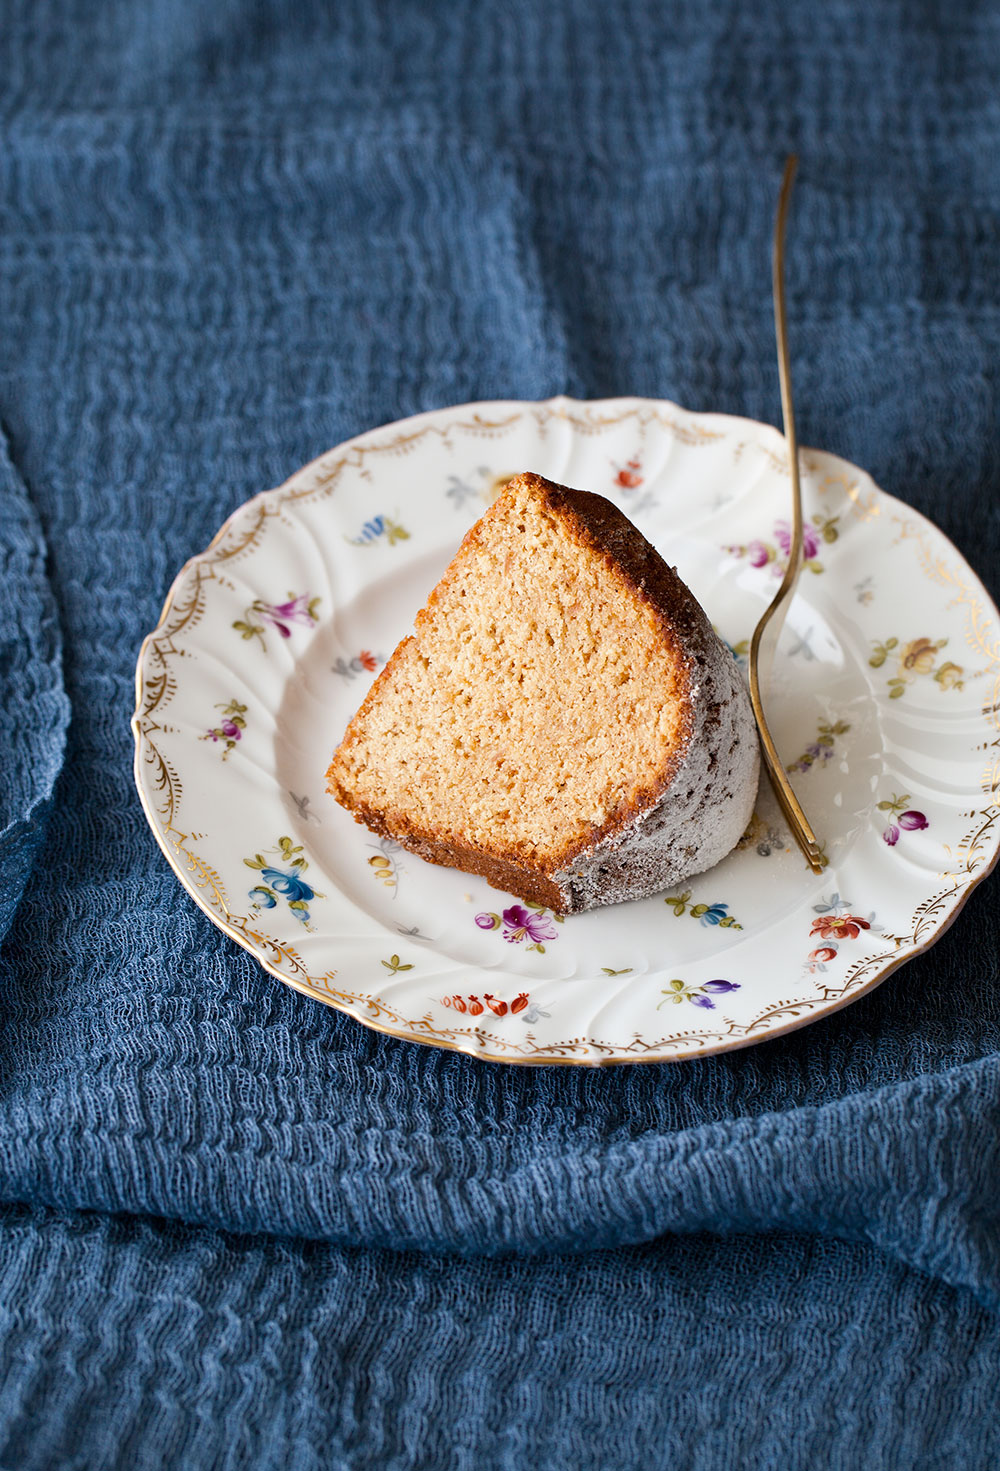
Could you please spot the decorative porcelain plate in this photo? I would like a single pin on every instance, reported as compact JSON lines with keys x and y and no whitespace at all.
{"x":885,"y":703}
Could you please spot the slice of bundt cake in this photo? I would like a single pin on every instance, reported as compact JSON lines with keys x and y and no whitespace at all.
{"x":563,"y":720}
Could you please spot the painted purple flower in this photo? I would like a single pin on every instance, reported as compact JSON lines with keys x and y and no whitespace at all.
{"x":891,"y":835}
{"x":758,"y":554}
{"x":810,"y":540}
{"x":486,"y":921}
{"x":522,"y":924}
{"x":704,"y":1001}
{"x":297,"y":610}
{"x":720,"y":987}
{"x":230,"y":730}
{"x":913,"y":821}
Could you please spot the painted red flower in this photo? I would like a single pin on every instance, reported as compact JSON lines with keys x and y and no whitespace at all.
{"x":823,"y":954}
{"x":628,"y":477}
{"x":839,"y":926}
{"x":367,"y":660}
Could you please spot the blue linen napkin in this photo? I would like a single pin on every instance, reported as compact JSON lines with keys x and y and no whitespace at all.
{"x":236,"y":1228}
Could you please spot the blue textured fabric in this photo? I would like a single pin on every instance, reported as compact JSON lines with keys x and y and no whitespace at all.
{"x":236,"y":1229}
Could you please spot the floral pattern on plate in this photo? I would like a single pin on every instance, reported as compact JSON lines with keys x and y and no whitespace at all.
{"x":364,"y":662}
{"x":915,"y":659}
{"x":774,"y":554}
{"x":629,"y":476}
{"x":706,"y":914}
{"x":323,"y":916}
{"x":377,"y":528}
{"x":495,"y":1004}
{"x":230,"y":729}
{"x":519,"y":923}
{"x":384,"y":863}
{"x":297,"y":609}
{"x":901,"y":819}
{"x":703,"y":995}
{"x":283,"y":883}
{"x":819,"y":753}
{"x":836,"y":924}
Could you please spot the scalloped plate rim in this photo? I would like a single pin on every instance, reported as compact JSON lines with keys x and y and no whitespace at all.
{"x":756,"y":431}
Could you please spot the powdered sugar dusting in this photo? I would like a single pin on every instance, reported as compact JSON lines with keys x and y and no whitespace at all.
{"x":704,"y":812}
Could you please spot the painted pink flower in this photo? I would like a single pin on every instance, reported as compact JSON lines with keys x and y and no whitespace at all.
{"x":524,"y":924}
{"x":758,"y":554}
{"x":810,"y":539}
{"x":906,"y":821}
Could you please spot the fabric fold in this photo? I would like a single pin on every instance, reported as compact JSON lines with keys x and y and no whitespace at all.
{"x":136,"y":1343}
{"x":34,"y":708}
{"x":911,"y":1168}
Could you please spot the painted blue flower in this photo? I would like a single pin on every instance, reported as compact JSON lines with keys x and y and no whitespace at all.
{"x":263,"y":897}
{"x":714,"y":913}
{"x":288,"y":885}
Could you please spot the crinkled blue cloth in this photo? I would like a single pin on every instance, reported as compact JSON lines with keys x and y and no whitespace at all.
{"x":237,"y":1229}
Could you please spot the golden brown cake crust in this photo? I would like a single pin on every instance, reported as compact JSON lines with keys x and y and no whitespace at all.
{"x":642,"y":844}
{"x":501,"y":872}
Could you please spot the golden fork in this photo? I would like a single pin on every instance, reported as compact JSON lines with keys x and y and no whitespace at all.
{"x":765,"y":635}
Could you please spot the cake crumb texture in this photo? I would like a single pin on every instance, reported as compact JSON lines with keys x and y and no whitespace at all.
{"x":543,"y":704}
